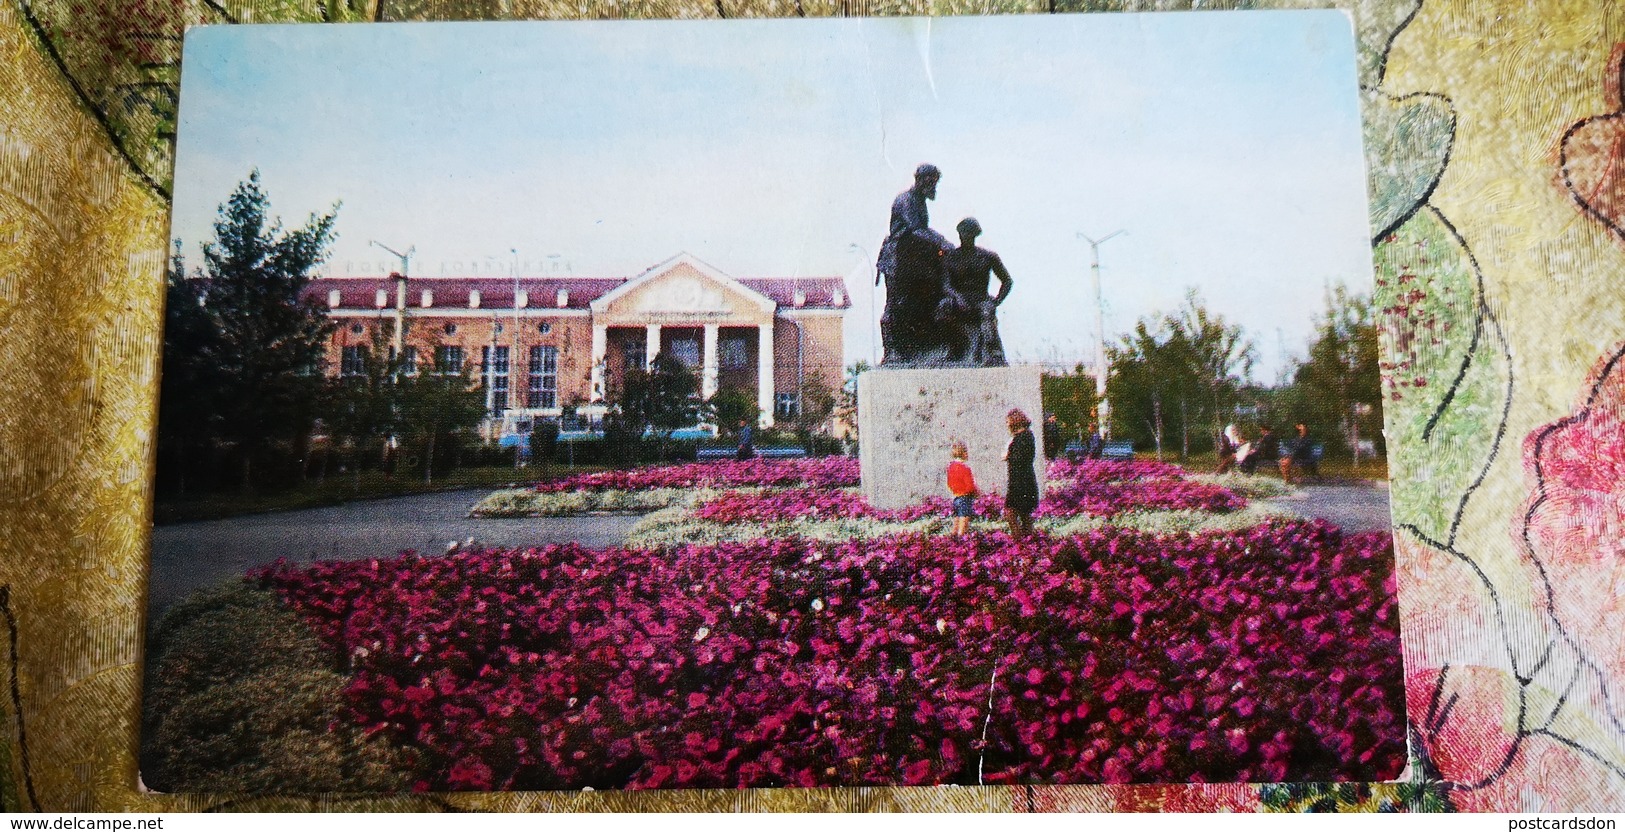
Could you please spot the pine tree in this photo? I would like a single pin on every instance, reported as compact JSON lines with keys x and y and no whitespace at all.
{"x":262,"y":359}
{"x":185,"y":428}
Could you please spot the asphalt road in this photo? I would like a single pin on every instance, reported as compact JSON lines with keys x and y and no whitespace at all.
{"x":189,"y":556}
{"x":1356,"y":508}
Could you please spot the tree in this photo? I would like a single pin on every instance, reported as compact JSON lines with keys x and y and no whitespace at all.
{"x":817,"y":404}
{"x":661,"y":399}
{"x":437,"y":402}
{"x":364,"y":407}
{"x":730,"y":407}
{"x":253,"y":359}
{"x":1071,"y":397}
{"x":1338,"y":386}
{"x":185,"y":423}
{"x":1184,"y":368}
{"x":846,"y":406}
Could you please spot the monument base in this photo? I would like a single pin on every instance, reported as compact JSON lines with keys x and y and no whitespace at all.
{"x":908,"y":420}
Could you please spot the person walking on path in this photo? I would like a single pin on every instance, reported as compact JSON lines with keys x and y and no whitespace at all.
{"x":746,"y":449}
{"x":1021,"y":495}
{"x":1300,"y":454}
{"x":962,"y":485}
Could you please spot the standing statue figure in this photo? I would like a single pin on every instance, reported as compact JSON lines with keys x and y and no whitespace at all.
{"x":970,"y":271}
{"x":918,"y":299}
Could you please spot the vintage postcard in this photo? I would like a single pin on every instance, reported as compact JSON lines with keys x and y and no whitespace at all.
{"x":727,"y":404}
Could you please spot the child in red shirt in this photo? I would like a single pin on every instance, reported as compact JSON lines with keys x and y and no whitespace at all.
{"x":961,"y":484}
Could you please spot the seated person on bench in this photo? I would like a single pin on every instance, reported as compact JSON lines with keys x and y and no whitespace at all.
{"x":1268,"y":446}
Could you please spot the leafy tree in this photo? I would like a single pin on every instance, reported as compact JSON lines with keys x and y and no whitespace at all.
{"x":1337,"y":389}
{"x":730,"y":407}
{"x":818,"y":402}
{"x":1071,"y":397}
{"x":544,"y":441}
{"x":250,"y":364}
{"x":1182,"y":370}
{"x":661,"y":399}
{"x":437,"y":403}
{"x":365,"y":408}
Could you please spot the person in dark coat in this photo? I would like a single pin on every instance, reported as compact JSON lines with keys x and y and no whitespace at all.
{"x":1094,"y":445}
{"x":1021,"y":495}
{"x":747,"y":450}
{"x":1268,"y":447}
{"x":1052,"y":436}
{"x":1300,"y":454}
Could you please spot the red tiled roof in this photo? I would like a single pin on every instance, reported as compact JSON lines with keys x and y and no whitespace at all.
{"x":497,"y":292}
{"x":820,"y":291}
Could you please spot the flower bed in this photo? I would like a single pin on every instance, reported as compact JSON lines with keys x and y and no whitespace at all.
{"x":1104,"y":499}
{"x":1111,"y":470}
{"x":791,"y":504}
{"x":1112,"y":656}
{"x":825,"y":472}
{"x":1096,"y":488}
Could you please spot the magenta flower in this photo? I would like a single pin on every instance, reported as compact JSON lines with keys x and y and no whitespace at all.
{"x":824,"y":472}
{"x":1098,"y":488}
{"x":1120,"y":656}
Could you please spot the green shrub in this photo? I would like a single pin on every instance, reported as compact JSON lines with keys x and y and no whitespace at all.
{"x":544,"y":441}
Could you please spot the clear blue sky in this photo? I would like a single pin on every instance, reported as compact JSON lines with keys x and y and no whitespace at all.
{"x":1228,"y":144}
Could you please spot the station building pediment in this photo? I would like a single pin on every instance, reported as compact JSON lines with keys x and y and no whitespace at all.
{"x":683,"y":291}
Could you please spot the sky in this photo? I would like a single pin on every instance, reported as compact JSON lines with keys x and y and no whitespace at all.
{"x":1225,"y":144}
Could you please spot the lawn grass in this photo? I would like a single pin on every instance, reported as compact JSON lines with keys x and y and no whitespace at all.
{"x":344,"y":488}
{"x":241,"y":696}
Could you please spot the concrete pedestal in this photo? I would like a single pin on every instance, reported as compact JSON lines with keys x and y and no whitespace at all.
{"x":908,"y":419}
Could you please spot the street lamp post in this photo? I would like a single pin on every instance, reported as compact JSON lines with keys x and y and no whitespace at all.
{"x":400,"y":293}
{"x":874,"y":337}
{"x":513,"y":356}
{"x":1102,"y":368}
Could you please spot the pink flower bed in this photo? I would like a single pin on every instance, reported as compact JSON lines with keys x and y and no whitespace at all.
{"x":1112,"y":470}
{"x":1116,"y":656}
{"x":824,"y":472}
{"x":1096,"y":488}
{"x":1103,"y":499}
{"x":768,"y":507}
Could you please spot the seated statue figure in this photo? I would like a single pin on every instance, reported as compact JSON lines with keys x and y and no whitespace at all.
{"x":975,"y":341}
{"x":913,"y":330}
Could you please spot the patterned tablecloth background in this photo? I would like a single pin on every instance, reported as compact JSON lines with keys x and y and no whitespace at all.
{"x":1496,"y":141}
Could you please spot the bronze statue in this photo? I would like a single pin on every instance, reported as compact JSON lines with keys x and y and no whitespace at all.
{"x":938,"y":312}
{"x":970,"y":271}
{"x":916,"y":281}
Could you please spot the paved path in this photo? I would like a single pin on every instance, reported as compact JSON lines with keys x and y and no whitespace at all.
{"x":189,"y":556}
{"x":1356,"y":508}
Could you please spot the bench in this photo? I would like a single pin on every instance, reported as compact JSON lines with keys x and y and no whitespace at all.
{"x":1316,"y":452}
{"x":1109,"y":450}
{"x":714,"y":454}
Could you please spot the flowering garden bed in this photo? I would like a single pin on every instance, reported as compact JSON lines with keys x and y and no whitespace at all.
{"x":1264,"y":654}
{"x":776,"y":491}
{"x":824,"y":472}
